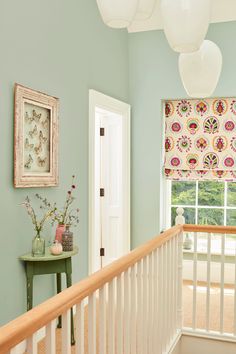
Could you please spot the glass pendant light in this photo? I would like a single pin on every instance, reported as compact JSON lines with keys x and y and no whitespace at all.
{"x":117,"y":13}
{"x":185,"y":23}
{"x":200,"y":71}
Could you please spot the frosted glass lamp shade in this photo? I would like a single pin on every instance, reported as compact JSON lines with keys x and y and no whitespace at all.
{"x":117,"y":13}
{"x":200,"y":71}
{"x":185,"y":23}
{"x":145,"y":9}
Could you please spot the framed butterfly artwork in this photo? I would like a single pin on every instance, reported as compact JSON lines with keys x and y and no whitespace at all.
{"x":36,"y":139}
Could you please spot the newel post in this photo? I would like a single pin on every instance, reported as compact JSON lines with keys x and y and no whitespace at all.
{"x":180,"y":220}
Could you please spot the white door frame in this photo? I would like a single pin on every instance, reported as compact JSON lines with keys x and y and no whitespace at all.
{"x":99,"y":100}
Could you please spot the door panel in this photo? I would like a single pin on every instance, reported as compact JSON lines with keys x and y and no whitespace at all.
{"x":112,"y":181}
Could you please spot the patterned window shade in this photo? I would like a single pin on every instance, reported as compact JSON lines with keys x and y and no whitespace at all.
{"x":200,"y":139}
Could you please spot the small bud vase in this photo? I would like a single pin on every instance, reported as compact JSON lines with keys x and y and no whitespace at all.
{"x":187,"y":245}
{"x":67,"y":240}
{"x":59,"y":231}
{"x":56,"y":248}
{"x":38,"y":246}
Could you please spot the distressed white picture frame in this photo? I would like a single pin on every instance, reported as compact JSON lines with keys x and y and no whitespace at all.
{"x":36,"y":139}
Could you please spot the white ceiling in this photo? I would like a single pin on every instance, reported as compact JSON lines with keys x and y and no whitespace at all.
{"x":222,"y":11}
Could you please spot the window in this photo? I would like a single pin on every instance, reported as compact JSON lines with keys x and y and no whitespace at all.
{"x":204,"y":202}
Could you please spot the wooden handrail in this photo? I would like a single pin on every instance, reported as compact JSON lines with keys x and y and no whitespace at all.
{"x":210,"y":229}
{"x":24,"y":326}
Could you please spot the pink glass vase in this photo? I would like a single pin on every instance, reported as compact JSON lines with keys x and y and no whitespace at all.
{"x":59,"y":231}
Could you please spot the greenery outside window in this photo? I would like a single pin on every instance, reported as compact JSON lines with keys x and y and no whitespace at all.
{"x":204,"y":202}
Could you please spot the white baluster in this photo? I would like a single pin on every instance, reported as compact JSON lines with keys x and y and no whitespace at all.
{"x":32,"y":344}
{"x":51,"y":338}
{"x":127,"y":312}
{"x":119,"y":315}
{"x":168,"y":293}
{"x":111,"y":317}
{"x":139,"y":307}
{"x":79,"y":328}
{"x":92,"y":324}
{"x":235,"y":294}
{"x":133,"y":293}
{"x":175,"y":283}
{"x":161,"y":294}
{"x":145,"y":304}
{"x":150,"y":304}
{"x":222,"y":280}
{"x":156,"y":310}
{"x":180,"y":281}
{"x":165,"y":297}
{"x":194,"y":280}
{"x":66,"y":333}
{"x":171,"y":286}
{"x":180,"y":220}
{"x":102,"y":320}
{"x":208,"y":281}
{"x":13,"y":351}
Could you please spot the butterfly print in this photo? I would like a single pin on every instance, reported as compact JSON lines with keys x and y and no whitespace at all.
{"x":33,"y":132}
{"x":41,"y":137}
{"x":29,"y":162}
{"x":28,"y":118}
{"x":28,"y":146}
{"x":38,"y":148}
{"x":36,"y":116}
{"x":42,"y":162}
{"x":45,"y":123}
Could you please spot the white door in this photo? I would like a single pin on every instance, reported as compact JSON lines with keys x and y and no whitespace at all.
{"x":109,"y":180}
{"x":113,"y":237}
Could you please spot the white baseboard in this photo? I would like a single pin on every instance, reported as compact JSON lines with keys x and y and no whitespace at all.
{"x":195,"y":345}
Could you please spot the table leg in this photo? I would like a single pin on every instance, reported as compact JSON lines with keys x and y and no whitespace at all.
{"x":58,"y":291}
{"x":69,"y":283}
{"x":29,"y":285}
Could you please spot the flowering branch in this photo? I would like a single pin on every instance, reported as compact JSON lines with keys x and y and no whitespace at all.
{"x":67,"y":215}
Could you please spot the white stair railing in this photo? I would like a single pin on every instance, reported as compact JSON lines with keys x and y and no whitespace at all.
{"x":209,"y":259}
{"x":137,"y":300}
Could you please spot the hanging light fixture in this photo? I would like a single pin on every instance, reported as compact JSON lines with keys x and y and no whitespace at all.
{"x":145,"y":9}
{"x":200,"y":71}
{"x":185,"y":23}
{"x":117,"y":13}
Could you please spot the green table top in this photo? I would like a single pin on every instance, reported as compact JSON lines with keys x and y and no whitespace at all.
{"x":48,"y":256}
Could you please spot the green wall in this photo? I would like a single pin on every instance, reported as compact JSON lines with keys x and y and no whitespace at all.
{"x":61,"y":48}
{"x":64,"y":49}
{"x":153,"y":75}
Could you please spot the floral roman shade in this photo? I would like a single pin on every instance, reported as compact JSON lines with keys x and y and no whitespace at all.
{"x":200,"y":139}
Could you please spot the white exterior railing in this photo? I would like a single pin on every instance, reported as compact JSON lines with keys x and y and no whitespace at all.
{"x":138,"y":301}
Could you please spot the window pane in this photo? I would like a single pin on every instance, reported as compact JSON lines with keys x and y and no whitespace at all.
{"x":231,"y":217}
{"x":189,"y":214}
{"x":211,"y":217}
{"x":231,"y":194}
{"x":211,"y":193}
{"x":183,"y":193}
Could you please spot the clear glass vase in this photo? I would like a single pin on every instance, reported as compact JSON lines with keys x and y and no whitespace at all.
{"x":38,"y":246}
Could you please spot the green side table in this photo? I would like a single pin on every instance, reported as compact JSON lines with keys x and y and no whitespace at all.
{"x":49,"y":264}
